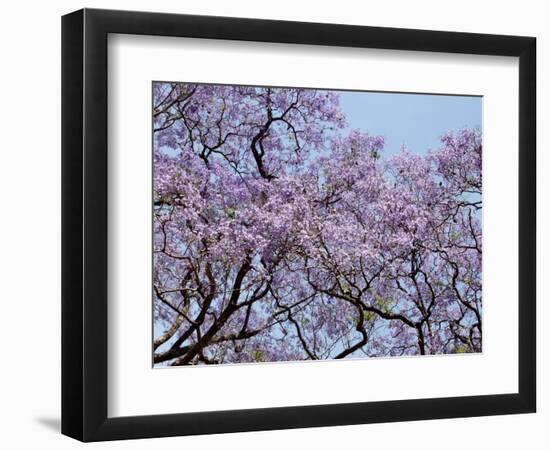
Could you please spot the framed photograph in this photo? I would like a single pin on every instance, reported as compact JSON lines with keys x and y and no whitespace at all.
{"x":273,"y":224}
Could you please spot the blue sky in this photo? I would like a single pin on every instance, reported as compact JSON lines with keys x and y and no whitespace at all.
{"x":415,"y":120}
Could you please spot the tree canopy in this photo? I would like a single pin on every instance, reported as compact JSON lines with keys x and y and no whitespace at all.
{"x":279,"y":234}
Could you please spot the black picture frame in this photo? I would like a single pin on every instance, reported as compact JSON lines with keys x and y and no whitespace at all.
{"x":84,"y":224}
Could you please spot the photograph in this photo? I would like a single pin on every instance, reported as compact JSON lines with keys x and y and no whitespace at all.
{"x":282,"y":224}
{"x":304,"y":224}
{"x":275,"y":225}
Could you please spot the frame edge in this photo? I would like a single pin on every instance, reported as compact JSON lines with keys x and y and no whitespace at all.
{"x":72,"y":93}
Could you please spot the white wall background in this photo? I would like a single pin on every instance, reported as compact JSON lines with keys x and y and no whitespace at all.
{"x":30,"y":221}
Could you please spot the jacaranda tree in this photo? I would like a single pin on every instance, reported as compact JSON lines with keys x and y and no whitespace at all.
{"x":281,"y":235}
